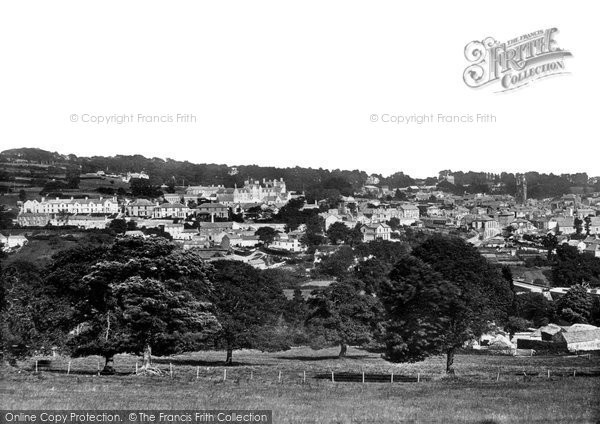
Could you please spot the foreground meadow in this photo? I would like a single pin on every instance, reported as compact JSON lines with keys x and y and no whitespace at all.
{"x":486,"y":389}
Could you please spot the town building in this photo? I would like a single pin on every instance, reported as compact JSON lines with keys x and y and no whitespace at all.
{"x":141,"y":208}
{"x":171,"y":210}
{"x":215,"y":210}
{"x":84,"y":206}
{"x":373,"y":232}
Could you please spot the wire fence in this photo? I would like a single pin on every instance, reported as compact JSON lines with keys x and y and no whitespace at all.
{"x":240,"y":374}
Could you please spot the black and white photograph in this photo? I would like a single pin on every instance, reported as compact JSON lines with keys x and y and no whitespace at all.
{"x":289,"y":212}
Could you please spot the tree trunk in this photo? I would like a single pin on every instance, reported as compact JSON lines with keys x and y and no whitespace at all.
{"x":450,"y":361}
{"x":109,"y":363}
{"x":343,"y":350}
{"x":229,"y":359}
{"x":147,"y":361}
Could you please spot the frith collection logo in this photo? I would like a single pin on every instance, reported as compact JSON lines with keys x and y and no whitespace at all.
{"x":514,"y":63}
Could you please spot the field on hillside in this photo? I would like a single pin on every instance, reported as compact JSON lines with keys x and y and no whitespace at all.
{"x":498,"y":389}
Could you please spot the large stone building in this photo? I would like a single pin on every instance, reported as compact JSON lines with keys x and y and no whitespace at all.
{"x":85,"y":206}
{"x":269,"y":191}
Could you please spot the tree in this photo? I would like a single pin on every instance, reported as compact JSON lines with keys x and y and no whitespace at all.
{"x":131,"y":225}
{"x":588,"y":224}
{"x":266,"y":234}
{"x":483,"y":295}
{"x":313,"y":235}
{"x":508,"y":277}
{"x":578,"y":225}
{"x":118,"y":225}
{"x":536,"y":308}
{"x":373,"y":272}
{"x":400,"y":195}
{"x":550,"y":242}
{"x":417,"y":302}
{"x":26,"y":315}
{"x":387,"y":251}
{"x":571,"y":267}
{"x":338,"y":232}
{"x":338,"y":264}
{"x":342,"y":314}
{"x":138,"y":296}
{"x":158,"y":316}
{"x":247,"y":306}
{"x":394,"y":223}
{"x":516,"y":324}
{"x":575,"y":306}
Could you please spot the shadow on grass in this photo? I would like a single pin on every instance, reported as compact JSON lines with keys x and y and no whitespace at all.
{"x":199,"y":362}
{"x":78,"y":372}
{"x":323,"y":358}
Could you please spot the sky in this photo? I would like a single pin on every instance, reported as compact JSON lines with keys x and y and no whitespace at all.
{"x":286,"y":83}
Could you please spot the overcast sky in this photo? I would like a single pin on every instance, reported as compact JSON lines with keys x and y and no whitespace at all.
{"x":295,"y":83}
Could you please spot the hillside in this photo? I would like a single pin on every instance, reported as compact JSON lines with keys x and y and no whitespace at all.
{"x":30,"y":167}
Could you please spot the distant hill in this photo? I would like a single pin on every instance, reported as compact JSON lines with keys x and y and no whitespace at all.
{"x":27,"y":167}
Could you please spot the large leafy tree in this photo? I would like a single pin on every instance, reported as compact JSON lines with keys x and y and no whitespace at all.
{"x":575,"y":306}
{"x":138,"y":296}
{"x":248,"y":307}
{"x":535,"y":308}
{"x":266,"y":234}
{"x":376,"y":261}
{"x":339,"y":232}
{"x":26,"y":315}
{"x":571,"y":267}
{"x":418,"y":303}
{"x":338,"y":264}
{"x":484,"y":296}
{"x":342,"y":314}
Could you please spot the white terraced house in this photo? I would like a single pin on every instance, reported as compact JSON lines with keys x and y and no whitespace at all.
{"x":85,"y":206}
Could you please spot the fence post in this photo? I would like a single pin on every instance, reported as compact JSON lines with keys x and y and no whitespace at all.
{"x":279,"y":378}
{"x":251,"y":374}
{"x":69,"y":368}
{"x":548,"y":373}
{"x":573,"y":373}
{"x":171,"y":369}
{"x":418,"y":377}
{"x":332,"y":378}
{"x":225,"y":374}
{"x":304,"y":377}
{"x":36,"y":366}
{"x":363,"y":376}
{"x":98,"y":364}
{"x":136,"y":367}
{"x":392,"y":377}
{"x":197,"y":373}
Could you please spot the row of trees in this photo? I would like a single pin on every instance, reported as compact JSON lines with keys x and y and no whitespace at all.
{"x":316,"y":183}
{"x":149,"y":297}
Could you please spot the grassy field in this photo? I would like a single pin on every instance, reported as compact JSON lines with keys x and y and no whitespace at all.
{"x":486,"y":388}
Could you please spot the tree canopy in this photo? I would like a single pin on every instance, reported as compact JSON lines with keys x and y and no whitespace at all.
{"x":140,"y":295}
{"x":342,"y":314}
{"x":248,"y":307}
